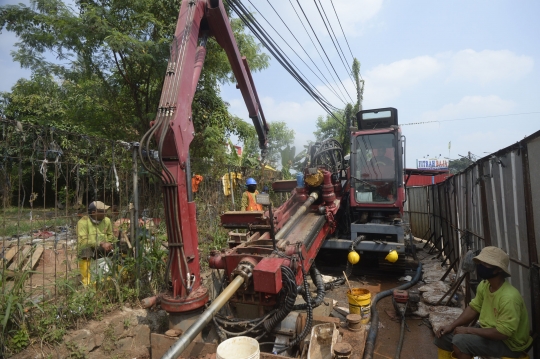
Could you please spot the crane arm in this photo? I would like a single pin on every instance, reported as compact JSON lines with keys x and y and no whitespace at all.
{"x":221,"y":30}
{"x":173,"y":130}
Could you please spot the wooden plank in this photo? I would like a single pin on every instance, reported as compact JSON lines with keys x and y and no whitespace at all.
{"x":20,"y":258}
{"x":11,"y":253}
{"x":34,"y":259}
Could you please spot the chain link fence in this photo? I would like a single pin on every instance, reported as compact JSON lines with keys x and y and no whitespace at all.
{"x":48,"y":176}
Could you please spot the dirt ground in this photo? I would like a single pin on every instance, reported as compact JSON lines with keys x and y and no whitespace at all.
{"x":418,"y":342}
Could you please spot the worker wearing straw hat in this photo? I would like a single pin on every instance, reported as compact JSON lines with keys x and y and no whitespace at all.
{"x":94,"y":238}
{"x":500,"y":310}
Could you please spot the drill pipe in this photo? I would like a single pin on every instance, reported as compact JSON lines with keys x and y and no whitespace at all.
{"x":182,"y":343}
{"x":292,"y":221}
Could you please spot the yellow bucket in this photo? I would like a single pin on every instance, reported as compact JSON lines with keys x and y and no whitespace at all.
{"x":360,"y":303}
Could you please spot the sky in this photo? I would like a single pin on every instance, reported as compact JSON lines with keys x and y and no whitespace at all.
{"x":467,"y":71}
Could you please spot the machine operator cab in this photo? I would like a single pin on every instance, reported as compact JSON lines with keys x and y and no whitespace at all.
{"x":376,"y":165}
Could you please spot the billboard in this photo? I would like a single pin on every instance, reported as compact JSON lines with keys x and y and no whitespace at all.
{"x":432,"y":164}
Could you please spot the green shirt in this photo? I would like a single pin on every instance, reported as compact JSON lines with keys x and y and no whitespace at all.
{"x":505,"y":311}
{"x":90,"y":235}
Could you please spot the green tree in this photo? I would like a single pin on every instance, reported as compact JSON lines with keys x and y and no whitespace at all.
{"x":111,"y":61}
{"x":456,"y":166}
{"x":279,"y":138}
{"x":330,"y":127}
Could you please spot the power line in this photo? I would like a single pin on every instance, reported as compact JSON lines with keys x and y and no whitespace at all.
{"x":342,"y":58}
{"x":469,"y":118}
{"x":311,"y":39}
{"x":325,"y":54}
{"x":269,"y":43}
{"x":335,"y":93}
{"x":343,"y":32}
{"x":309,"y":57}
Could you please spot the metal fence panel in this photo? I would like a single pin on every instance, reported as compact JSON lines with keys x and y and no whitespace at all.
{"x":489,"y":204}
{"x":533,"y":148}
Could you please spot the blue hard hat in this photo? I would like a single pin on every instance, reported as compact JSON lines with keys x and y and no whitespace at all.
{"x":250,"y":181}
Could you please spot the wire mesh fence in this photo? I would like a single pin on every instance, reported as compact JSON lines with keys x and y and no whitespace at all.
{"x":48,"y":176}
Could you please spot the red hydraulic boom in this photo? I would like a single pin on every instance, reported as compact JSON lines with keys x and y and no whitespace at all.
{"x":173,"y":131}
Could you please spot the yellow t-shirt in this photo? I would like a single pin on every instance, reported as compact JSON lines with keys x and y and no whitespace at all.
{"x":90,"y":235}
{"x":505,"y":311}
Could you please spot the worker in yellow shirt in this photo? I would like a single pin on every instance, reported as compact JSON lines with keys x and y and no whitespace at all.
{"x":94,"y":238}
{"x":249,"y":202}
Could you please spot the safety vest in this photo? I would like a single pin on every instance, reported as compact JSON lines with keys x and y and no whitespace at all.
{"x":252,"y":204}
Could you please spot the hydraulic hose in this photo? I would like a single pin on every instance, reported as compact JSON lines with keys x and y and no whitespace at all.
{"x":287,"y":302}
{"x":372,"y":335}
{"x":319,"y":283}
{"x":401,"y":335}
{"x":309,"y":321}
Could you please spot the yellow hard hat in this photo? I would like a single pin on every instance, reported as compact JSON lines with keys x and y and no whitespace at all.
{"x":353,"y":257}
{"x":392,"y":256}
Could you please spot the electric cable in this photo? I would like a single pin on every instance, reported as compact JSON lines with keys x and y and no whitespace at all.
{"x":347,"y":68}
{"x":314,"y":33}
{"x":311,"y":39}
{"x":309,"y":57}
{"x":287,"y":43}
{"x":343,"y":32}
{"x":274,"y":49}
{"x":257,"y":30}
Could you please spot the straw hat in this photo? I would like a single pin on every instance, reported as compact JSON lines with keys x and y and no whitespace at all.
{"x":496,"y":257}
{"x":98,"y":205}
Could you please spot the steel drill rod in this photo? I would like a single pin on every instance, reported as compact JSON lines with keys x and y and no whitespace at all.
{"x":182,"y":343}
{"x":301,"y":211}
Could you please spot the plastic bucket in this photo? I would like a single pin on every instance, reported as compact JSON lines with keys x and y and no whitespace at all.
{"x":238,"y":348}
{"x":360,"y":303}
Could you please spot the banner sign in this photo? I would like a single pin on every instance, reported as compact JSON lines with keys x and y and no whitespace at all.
{"x":434,"y":164}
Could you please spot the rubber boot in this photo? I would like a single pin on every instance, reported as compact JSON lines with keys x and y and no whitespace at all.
{"x":444,"y":354}
{"x":84,"y":267}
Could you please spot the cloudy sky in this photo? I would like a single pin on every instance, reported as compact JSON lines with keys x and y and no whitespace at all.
{"x":432,"y":60}
{"x":471,"y":65}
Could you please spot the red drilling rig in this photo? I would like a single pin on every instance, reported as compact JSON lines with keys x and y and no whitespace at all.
{"x":265,"y":273}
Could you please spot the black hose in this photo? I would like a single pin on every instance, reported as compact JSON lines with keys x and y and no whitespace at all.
{"x":319,"y":283}
{"x":287,"y":301}
{"x":401,"y":335}
{"x":309,"y":308}
{"x":372,"y":335}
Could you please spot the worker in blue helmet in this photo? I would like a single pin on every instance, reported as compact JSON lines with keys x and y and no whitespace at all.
{"x":249,"y":202}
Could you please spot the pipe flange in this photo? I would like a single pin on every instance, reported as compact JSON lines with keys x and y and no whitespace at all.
{"x":245,"y":270}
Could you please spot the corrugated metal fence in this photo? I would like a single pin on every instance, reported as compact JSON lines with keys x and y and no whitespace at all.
{"x":494,"y":202}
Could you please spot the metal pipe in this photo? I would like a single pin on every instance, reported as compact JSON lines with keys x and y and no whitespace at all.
{"x":135,"y":223}
{"x":292,"y":221}
{"x":182,"y":343}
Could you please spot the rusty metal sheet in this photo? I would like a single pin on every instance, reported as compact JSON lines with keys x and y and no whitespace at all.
{"x":284,"y":185}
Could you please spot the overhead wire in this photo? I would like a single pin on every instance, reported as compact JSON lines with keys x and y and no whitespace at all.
{"x":277,"y":32}
{"x":331,"y":32}
{"x":326,"y":55}
{"x":469,"y":118}
{"x":309,"y":57}
{"x":272,"y":47}
{"x":313,"y":42}
{"x":342,"y":31}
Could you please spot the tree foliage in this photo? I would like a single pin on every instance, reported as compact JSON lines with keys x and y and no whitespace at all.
{"x":456,"y":166}
{"x":109,"y":66}
{"x":279,"y":138}
{"x":330,"y":127}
